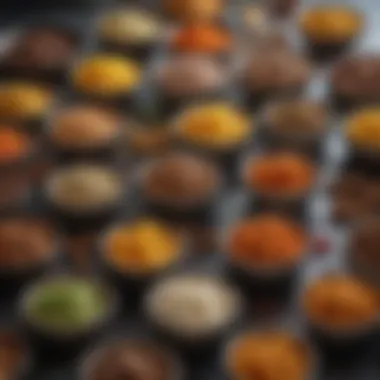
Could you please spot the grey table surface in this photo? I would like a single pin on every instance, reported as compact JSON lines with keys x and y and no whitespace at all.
{"x":233,"y":203}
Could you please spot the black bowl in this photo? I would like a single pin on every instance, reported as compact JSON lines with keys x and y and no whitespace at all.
{"x":131,"y":285}
{"x":64,"y":346}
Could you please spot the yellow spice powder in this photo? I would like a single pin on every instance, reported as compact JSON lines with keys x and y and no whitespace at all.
{"x":364,"y":129}
{"x":107,"y":75}
{"x":216,"y":125}
{"x":144,"y":246}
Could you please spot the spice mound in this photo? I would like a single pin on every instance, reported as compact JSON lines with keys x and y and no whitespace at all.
{"x":340,"y":302}
{"x":12,"y":355}
{"x":364,"y":129}
{"x":107,"y":75}
{"x":357,"y":78}
{"x":267,"y":240}
{"x":276,"y":70}
{"x":25,"y":243}
{"x":298,"y":117}
{"x":283,"y":174}
{"x":194,"y":10}
{"x":14,"y":145}
{"x":192,"y":306}
{"x":142,"y":247}
{"x":204,"y":39}
{"x":133,"y":26}
{"x":331,"y":24}
{"x":21,"y":100}
{"x":66,"y":305}
{"x":84,"y":188}
{"x":181,"y":179}
{"x":84,"y":127}
{"x":269,"y":355}
{"x":191,"y":75}
{"x":134,"y":360}
{"x":214,"y":126}
{"x":42,"y":49}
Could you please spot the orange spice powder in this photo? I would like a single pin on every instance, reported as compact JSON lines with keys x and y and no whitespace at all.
{"x":253,"y":354}
{"x":13,"y":144}
{"x":267,"y":240}
{"x":203,"y":39}
{"x":284,"y":173}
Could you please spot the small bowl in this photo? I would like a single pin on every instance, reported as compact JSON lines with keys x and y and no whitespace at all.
{"x":74,"y":222}
{"x":103,"y":153}
{"x":195,"y":348}
{"x":292,"y":205}
{"x":86,"y":366}
{"x":201,"y":211}
{"x":228,"y":159}
{"x":132,"y":285}
{"x":12,"y":279}
{"x":315,"y":365}
{"x":330,"y":49}
{"x":55,"y":75}
{"x":62,"y":346}
{"x":311,"y":145}
{"x":124,"y":101}
{"x":276,"y":282}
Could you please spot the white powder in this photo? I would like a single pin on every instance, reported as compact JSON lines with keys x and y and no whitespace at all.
{"x":84,"y":187}
{"x":193,"y":304}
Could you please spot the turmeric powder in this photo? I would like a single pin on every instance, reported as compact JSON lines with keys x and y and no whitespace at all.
{"x":107,"y":75}
{"x":331,"y":23}
{"x":283,"y":173}
{"x":144,"y":246}
{"x":214,"y":125}
{"x":364,"y":128}
{"x":267,"y":240}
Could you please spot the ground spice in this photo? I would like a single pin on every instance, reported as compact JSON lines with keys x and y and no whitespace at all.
{"x":13,"y":145}
{"x":267,"y":240}
{"x":202,"y":38}
{"x":215,"y":125}
{"x":280,"y":173}
{"x":364,"y":128}
{"x":340,"y":301}
{"x":143,"y":246}
{"x":253,"y":354}
{"x":107,"y":75}
{"x":331,"y":23}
